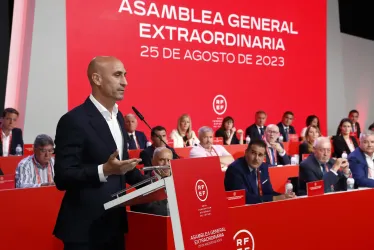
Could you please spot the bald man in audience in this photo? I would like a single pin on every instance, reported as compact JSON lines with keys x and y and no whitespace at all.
{"x":136,"y":139}
{"x":361,"y":161}
{"x":275,"y":152}
{"x":319,"y":166}
{"x":207,"y":149}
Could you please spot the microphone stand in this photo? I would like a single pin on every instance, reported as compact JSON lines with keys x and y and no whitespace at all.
{"x":159,"y":137}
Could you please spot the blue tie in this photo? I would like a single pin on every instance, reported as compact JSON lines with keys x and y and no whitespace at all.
{"x":272,"y":162}
{"x":132,"y":144}
{"x":253,"y":178}
{"x":286,"y":134}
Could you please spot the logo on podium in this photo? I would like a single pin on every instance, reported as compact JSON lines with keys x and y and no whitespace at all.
{"x":201,"y":190}
{"x":244,"y":240}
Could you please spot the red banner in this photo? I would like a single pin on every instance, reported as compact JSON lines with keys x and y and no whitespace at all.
{"x":208,"y":60}
{"x":201,"y":198}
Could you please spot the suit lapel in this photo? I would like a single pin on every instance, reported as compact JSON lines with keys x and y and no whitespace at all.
{"x":121,"y":123}
{"x":317,"y":168}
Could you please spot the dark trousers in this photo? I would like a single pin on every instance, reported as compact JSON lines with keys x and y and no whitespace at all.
{"x":115,"y":244}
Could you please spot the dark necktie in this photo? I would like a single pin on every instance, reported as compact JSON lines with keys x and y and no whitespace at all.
{"x":262,"y":131}
{"x":324,"y":168}
{"x":286,"y":134}
{"x":253,"y":177}
{"x":132,"y":144}
{"x":272,"y":160}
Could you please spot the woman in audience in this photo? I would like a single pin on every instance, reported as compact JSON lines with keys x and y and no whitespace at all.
{"x":228,"y":132}
{"x":312,"y":133}
{"x":184,"y":136}
{"x":311,"y":120}
{"x":343,"y":141}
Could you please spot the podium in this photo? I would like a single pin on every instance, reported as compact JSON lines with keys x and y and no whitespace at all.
{"x":196,"y":200}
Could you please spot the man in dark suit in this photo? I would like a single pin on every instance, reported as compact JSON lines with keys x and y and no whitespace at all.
{"x":147,"y":154}
{"x":251,"y":174}
{"x":257,"y":130}
{"x":275,"y":152}
{"x":92,"y":163}
{"x":353,"y":116}
{"x":136,"y":139}
{"x":285,"y":127}
{"x":11,"y":137}
{"x":319,"y":166}
{"x":361,"y":161}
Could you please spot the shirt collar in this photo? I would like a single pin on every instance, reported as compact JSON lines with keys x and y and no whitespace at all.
{"x":105,"y":113}
{"x":133,"y":133}
{"x":371,"y":158}
{"x":285,"y":127}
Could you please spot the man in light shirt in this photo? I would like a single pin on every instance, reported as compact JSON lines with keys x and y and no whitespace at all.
{"x":361,"y":161}
{"x":206,"y":148}
{"x":37,"y":170}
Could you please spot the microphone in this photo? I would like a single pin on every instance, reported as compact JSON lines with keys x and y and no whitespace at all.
{"x":141,"y":117}
{"x":154,"y":168}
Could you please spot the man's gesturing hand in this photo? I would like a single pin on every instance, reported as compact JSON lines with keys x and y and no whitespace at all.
{"x":116,"y":167}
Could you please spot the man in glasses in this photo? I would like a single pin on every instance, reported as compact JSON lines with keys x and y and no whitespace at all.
{"x":37,"y":170}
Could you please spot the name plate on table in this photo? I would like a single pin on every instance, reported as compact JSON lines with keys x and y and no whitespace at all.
{"x":218,"y":141}
{"x":293,"y":138}
{"x":235,"y":198}
{"x":315,"y":188}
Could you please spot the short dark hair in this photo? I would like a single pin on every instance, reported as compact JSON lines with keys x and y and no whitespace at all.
{"x":11,"y":111}
{"x":288,"y":113}
{"x":371,"y":126}
{"x":43,"y":140}
{"x":256,"y":142}
{"x":353,"y":111}
{"x":155,"y":129}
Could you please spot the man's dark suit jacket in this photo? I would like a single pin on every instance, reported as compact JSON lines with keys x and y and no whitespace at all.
{"x":291,"y":130}
{"x":147,"y":154}
{"x":310,"y":170}
{"x":238,"y":176}
{"x":340,"y":145}
{"x":281,"y":160}
{"x":140,"y":138}
{"x":16,"y":139}
{"x":359,"y":168}
{"x":253,"y":132}
{"x":84,"y":141}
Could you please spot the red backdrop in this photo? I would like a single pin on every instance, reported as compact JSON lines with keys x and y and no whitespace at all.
{"x":163,"y":88}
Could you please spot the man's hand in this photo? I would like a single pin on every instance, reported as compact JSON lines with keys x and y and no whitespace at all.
{"x":116,"y":167}
{"x":277,"y":147}
{"x":341,"y":164}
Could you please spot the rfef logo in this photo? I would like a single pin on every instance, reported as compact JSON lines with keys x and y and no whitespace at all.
{"x":201,"y":190}
{"x":244,"y":240}
{"x":219,"y":104}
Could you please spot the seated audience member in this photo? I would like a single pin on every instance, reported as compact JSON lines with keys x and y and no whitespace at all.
{"x":285,"y":127}
{"x":257,"y":130}
{"x":206,"y":148}
{"x":161,"y":157}
{"x":353,"y":116}
{"x":362,"y":161}
{"x":306,"y":147}
{"x":1,"y":172}
{"x":371,"y":127}
{"x":343,"y":141}
{"x":311,"y":120}
{"x":136,"y":139}
{"x":37,"y":170}
{"x":147,"y":154}
{"x":11,"y":136}
{"x":184,"y":136}
{"x":319,"y":166}
{"x":275,"y":153}
{"x":228,"y":132}
{"x":252,"y":174}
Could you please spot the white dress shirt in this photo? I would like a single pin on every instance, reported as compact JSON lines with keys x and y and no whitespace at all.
{"x":6,"y":143}
{"x":370,"y":162}
{"x":218,"y":150}
{"x":115,"y":129}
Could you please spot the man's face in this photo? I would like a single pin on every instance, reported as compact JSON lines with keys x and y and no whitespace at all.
{"x":260,"y":119}
{"x":9,"y":121}
{"x":323,"y":152}
{"x":163,"y":158}
{"x":156,"y":140}
{"x":272,"y":134}
{"x":206,"y":140}
{"x":43,"y":154}
{"x":367,"y":144}
{"x":255,"y":156}
{"x":130,"y":124}
{"x":112,"y":80}
{"x":287,"y":119}
{"x":353,"y":117}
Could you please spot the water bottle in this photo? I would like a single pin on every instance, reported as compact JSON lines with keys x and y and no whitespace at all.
{"x":344,"y":155}
{"x":289,"y":187}
{"x":332,"y":188}
{"x":350,"y":183}
{"x":247,"y":139}
{"x":18,"y":150}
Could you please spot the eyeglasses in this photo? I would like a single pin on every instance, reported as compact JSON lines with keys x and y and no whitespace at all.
{"x":43,"y":150}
